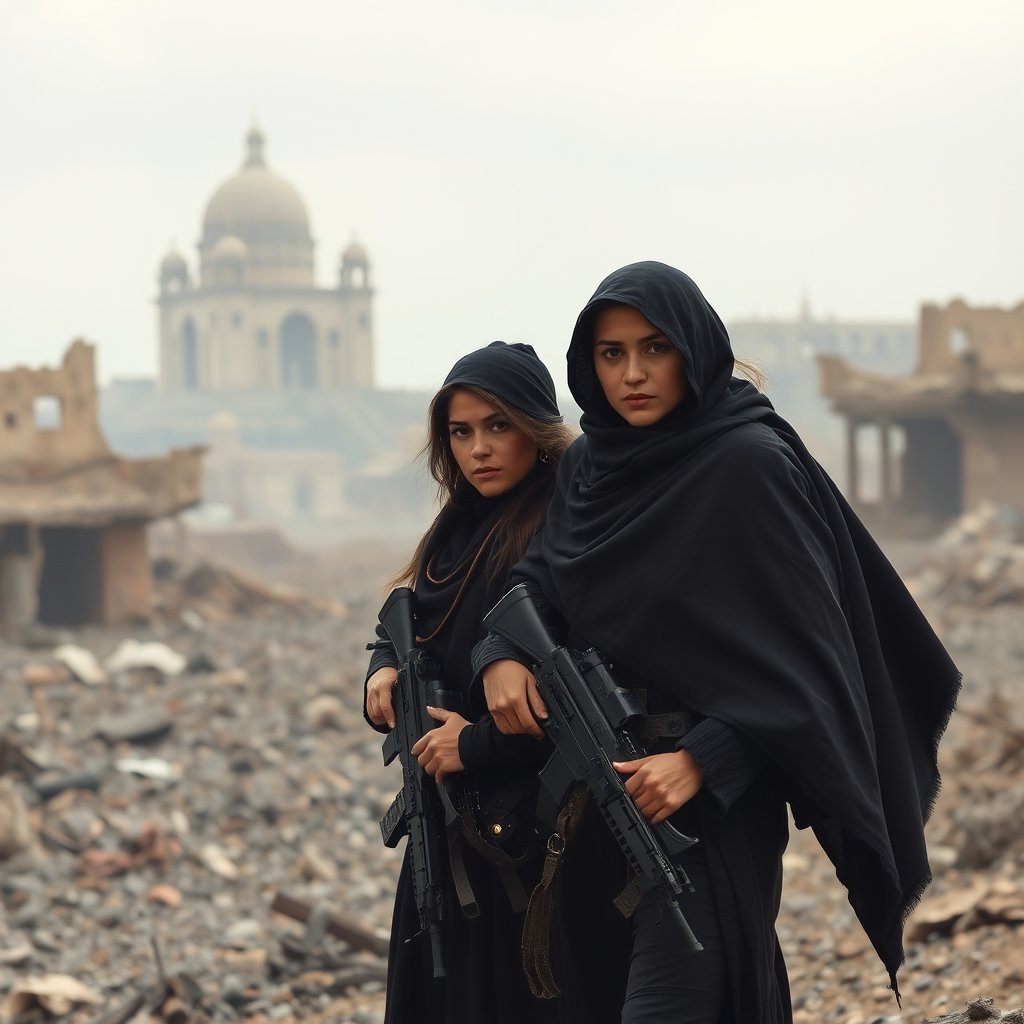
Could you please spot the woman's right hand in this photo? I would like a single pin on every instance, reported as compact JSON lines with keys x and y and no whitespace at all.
{"x":511,"y":692}
{"x":378,"y":696}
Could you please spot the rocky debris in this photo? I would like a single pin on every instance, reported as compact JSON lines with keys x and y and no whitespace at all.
{"x":288,"y":788}
{"x":177,"y":806}
{"x":16,"y":831}
{"x":199,"y":592}
{"x":131,"y":654}
{"x":985,"y":901}
{"x":50,"y":784}
{"x":143,"y":725}
{"x":978,"y":562}
{"x":82,"y":663}
{"x":980,"y":1009}
{"x":341,"y":927}
{"x":57,"y":994}
{"x":44,"y":675}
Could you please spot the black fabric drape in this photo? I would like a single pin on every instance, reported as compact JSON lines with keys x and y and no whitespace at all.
{"x":714,"y":557}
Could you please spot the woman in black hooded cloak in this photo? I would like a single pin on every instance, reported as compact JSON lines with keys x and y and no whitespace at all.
{"x":495,"y":440}
{"x":694,"y":539}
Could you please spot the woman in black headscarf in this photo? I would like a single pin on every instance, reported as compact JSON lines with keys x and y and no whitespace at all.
{"x":495,"y":441}
{"x":694,"y":539}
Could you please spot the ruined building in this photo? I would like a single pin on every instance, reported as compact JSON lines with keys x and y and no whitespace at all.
{"x":254,"y":317}
{"x":948,"y":436}
{"x":73,"y":515}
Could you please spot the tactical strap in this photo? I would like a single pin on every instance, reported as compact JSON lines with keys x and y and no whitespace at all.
{"x":629,"y":899}
{"x":657,"y":727}
{"x":463,"y":888}
{"x":537,"y":926}
{"x":462,"y":828}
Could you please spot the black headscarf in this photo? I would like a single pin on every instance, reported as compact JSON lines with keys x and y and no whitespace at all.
{"x":710,"y":554}
{"x":463,"y":537}
{"x":513,"y":373}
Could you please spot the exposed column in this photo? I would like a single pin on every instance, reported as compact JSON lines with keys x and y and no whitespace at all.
{"x":885,"y":470}
{"x":852,"y":476}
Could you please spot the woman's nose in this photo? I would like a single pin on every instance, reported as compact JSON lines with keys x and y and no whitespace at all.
{"x":634,"y":372}
{"x":481,"y":448}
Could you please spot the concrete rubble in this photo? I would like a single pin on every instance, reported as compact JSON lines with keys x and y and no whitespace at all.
{"x":149,"y":821}
{"x":203,"y":846}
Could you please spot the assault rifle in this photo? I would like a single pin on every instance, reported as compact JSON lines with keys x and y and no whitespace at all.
{"x":416,"y":810}
{"x":589,"y":719}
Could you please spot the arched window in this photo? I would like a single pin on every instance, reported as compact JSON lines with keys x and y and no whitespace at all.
{"x":298,"y":352}
{"x":190,"y":356}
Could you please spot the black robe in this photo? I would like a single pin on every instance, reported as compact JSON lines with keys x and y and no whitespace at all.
{"x":485,"y":981}
{"x":721,"y":569}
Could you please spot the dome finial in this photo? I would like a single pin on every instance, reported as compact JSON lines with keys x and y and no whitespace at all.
{"x":255,"y":140}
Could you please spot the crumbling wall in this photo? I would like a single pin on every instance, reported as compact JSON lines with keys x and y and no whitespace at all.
{"x":995,"y":336}
{"x":25,"y":449}
{"x":993,"y":458}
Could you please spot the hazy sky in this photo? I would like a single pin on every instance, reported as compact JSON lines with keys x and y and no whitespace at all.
{"x":498,"y":159}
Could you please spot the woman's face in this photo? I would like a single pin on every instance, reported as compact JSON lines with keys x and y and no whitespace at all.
{"x":640,"y":370}
{"x":493,"y":455}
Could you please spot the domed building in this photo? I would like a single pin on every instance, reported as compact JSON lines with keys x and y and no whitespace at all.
{"x":255,"y":318}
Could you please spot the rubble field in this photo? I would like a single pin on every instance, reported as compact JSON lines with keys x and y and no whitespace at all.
{"x":191,"y":834}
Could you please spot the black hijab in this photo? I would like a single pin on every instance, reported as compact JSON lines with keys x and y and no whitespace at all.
{"x":710,"y":554}
{"x":452,"y":576}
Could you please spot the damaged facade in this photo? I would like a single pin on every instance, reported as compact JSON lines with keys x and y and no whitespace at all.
{"x":947,"y":437}
{"x":73,"y":514}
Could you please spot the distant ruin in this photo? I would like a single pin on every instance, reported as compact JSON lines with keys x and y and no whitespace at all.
{"x":73,"y":514}
{"x":945,"y":438}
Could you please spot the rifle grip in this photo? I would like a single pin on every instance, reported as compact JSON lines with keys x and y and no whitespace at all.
{"x":436,"y":952}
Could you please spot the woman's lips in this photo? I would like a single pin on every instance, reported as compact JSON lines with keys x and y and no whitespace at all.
{"x":486,"y":472}
{"x":638,"y":401}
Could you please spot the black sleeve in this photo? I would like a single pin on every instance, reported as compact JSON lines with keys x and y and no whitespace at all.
{"x":383,"y":657}
{"x":730,"y":762}
{"x":495,"y":648}
{"x":481,"y":746}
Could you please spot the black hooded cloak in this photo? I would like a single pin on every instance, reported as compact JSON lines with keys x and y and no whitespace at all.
{"x":723,"y":571}
{"x":485,"y":982}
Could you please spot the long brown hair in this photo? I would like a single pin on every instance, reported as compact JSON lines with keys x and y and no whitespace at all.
{"x":523,"y":516}
{"x":752,"y":371}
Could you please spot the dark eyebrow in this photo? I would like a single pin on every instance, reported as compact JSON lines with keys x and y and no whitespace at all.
{"x":463,"y":423}
{"x":650,"y":337}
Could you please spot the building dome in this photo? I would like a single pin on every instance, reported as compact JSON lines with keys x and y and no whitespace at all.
{"x":266,"y":213}
{"x":173,"y":272}
{"x":173,"y":263}
{"x":230,"y":247}
{"x":255,"y":196}
{"x":354,"y":272}
{"x":355,"y":253}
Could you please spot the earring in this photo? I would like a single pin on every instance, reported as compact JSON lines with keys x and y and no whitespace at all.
{"x":544,"y":457}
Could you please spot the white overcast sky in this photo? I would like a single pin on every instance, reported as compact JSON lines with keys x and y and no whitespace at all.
{"x":499,"y":158}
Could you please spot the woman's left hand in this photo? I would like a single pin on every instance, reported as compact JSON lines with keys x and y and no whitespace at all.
{"x":662,"y":783}
{"x":438,"y":750}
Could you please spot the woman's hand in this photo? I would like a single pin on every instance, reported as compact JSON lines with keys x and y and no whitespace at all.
{"x":378,"y":696}
{"x":511,"y":692}
{"x":438,"y":750}
{"x":662,"y":783}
